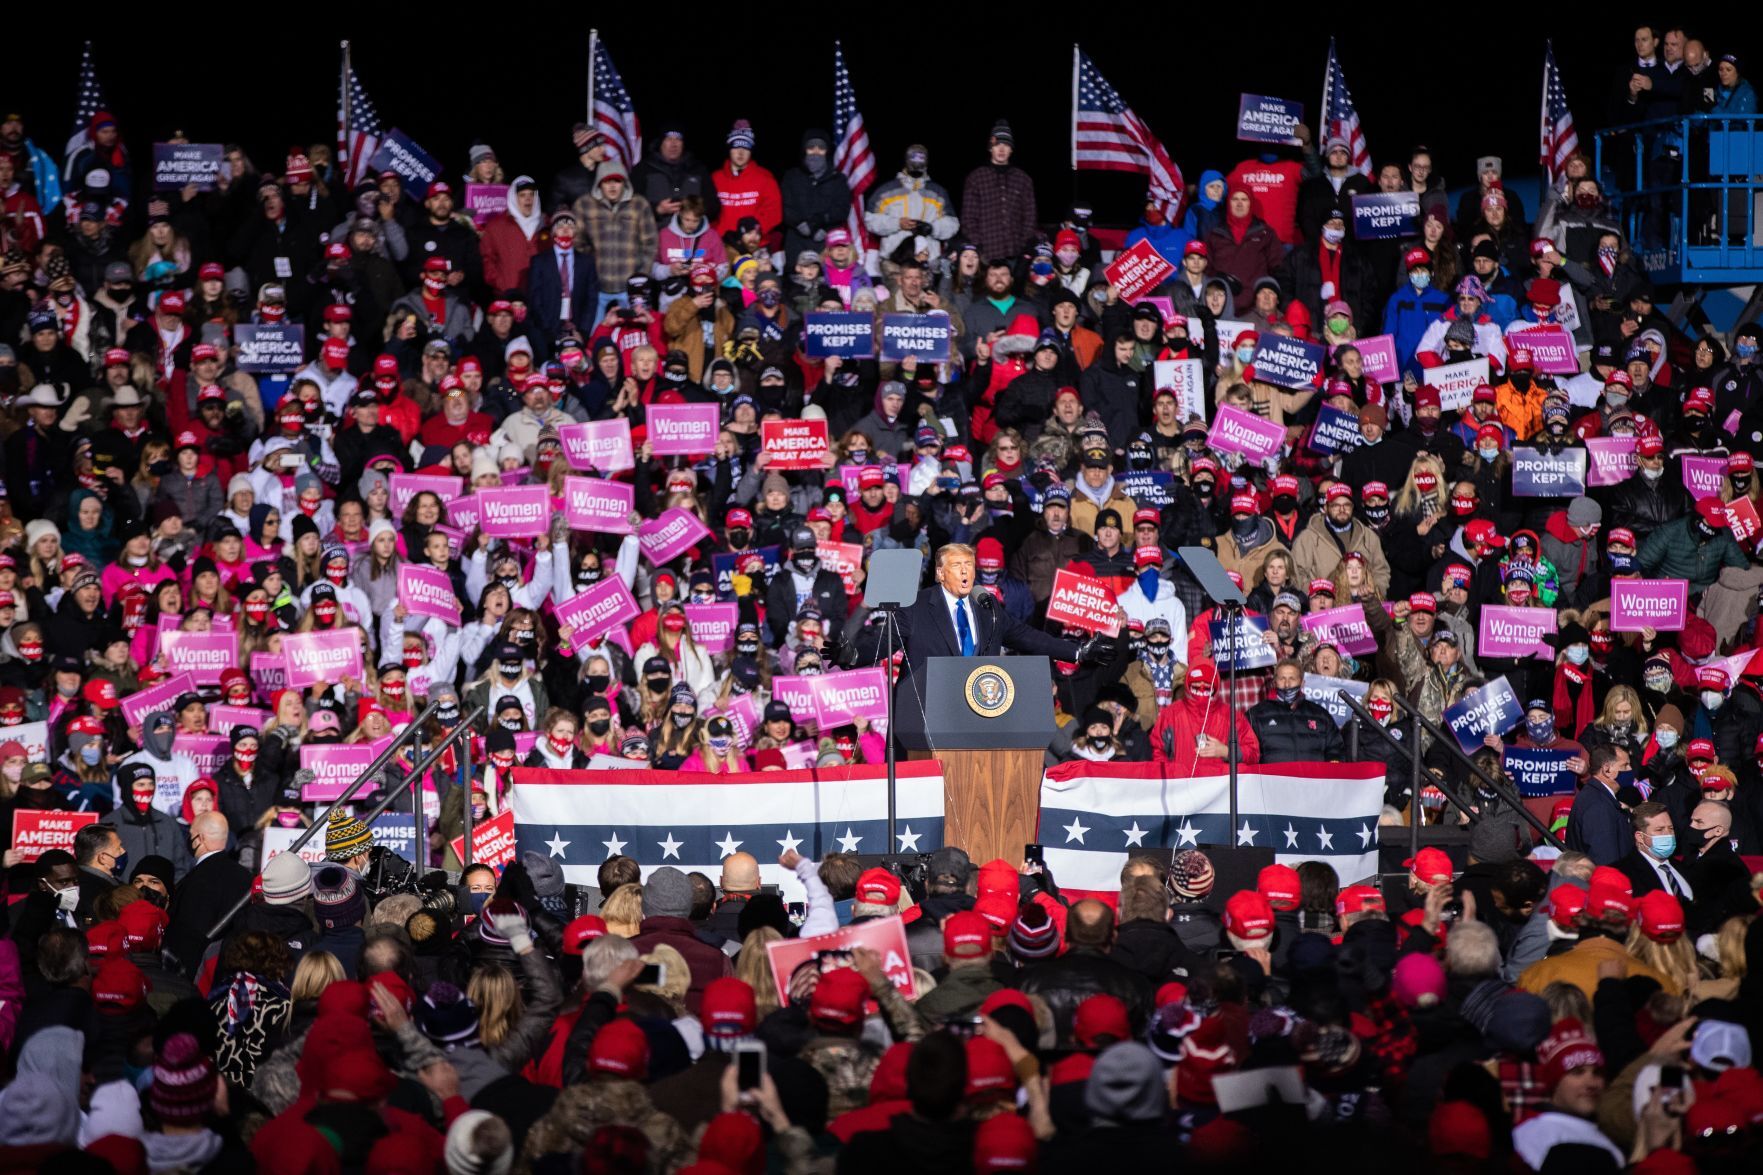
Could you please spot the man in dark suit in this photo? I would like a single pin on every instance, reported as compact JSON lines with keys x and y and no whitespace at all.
{"x":563,"y":288}
{"x":1648,"y":866}
{"x":98,"y":851}
{"x":206,"y":893}
{"x":1597,"y":825}
{"x":1720,"y":876}
{"x":803,"y":582}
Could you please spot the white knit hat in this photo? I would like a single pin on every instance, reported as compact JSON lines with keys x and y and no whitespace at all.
{"x":286,"y":879}
{"x":462,"y":1158}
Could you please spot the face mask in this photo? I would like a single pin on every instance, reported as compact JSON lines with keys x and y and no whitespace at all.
{"x":1652,"y":474}
{"x":1419,"y":280}
{"x":1380,"y":708}
{"x":1662,"y":846}
{"x":1339,"y":527}
{"x":1149,"y":581}
{"x":657,"y":684}
{"x":287,"y":819}
{"x":1488,"y":453}
{"x":160,"y":468}
{"x":508,"y":668}
{"x":510,"y":724}
{"x":256,"y":610}
{"x":67,"y":691}
{"x":1285,"y":503}
{"x":811,"y":670}
{"x":856,"y":457}
{"x":1334,"y":236}
{"x":1745,"y":350}
{"x":1578,"y":654}
{"x":337,"y":573}
{"x":1287,"y":693}
{"x":1586,"y":200}
{"x":324,"y":614}
{"x":1157,"y":649}
{"x":119,"y":867}
{"x":806,"y":563}
{"x":412,"y":658}
{"x":1245,"y":528}
{"x":1521,"y":381}
{"x":1616,"y":400}
{"x":245,"y":761}
{"x":560,"y":745}
{"x":599,"y":726}
{"x":67,"y":899}
{"x":721,"y":745}
{"x":682,"y":720}
{"x":1245,"y":354}
{"x":1659,"y":683}
{"x":1713,"y":699}
{"x":597,"y":682}
{"x":1100,"y":741}
{"x":747,"y":648}
{"x":475,"y":902}
{"x":521,"y":636}
{"x":770,"y":298}
{"x":508,"y":581}
{"x":393,"y":690}
{"x":91,"y":753}
{"x":1067,"y":257}
{"x":1462,"y":507}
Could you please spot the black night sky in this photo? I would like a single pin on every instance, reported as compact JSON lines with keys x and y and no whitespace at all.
{"x":1465,"y":85}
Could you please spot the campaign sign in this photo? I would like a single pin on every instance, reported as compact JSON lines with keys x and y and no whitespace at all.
{"x":396,"y":831}
{"x":1166,"y":307}
{"x":827,"y":952}
{"x":799,"y":756}
{"x":1345,"y":628}
{"x":181,"y":165}
{"x":1236,"y":431}
{"x":209,"y":752}
{"x":1378,"y":354}
{"x":270,"y":346}
{"x":1704,"y":477}
{"x":510,"y":512}
{"x":1492,"y":709}
{"x":492,"y":842}
{"x":1185,"y":378}
{"x":35,"y":833}
{"x":222,"y":718}
{"x":1335,"y":432}
{"x":723,"y":566}
{"x":1551,"y":348}
{"x":1609,"y":460}
{"x":1327,"y":691}
{"x":405,"y":486}
{"x":321,"y":658}
{"x":1245,"y":648}
{"x":1287,"y":362}
{"x":482,"y":201}
{"x":603,"y":446}
{"x":845,"y":334}
{"x":400,"y":153}
{"x":1537,"y":474}
{"x":1083,"y":602}
{"x":1261,"y":119}
{"x":1228,"y":329}
{"x":925,"y":336}
{"x":742,"y":712}
{"x":845,"y":559}
{"x":277,"y":840}
{"x":465,"y":512}
{"x":1386,"y":216}
{"x":589,"y":613}
{"x":1456,"y":382}
{"x":203,"y":655}
{"x":598,"y":506}
{"x":427,"y":591}
{"x":1742,"y":520}
{"x":33,"y":737}
{"x":844,"y":697}
{"x":334,"y":768}
{"x":1137,"y":269}
{"x":793,"y":444}
{"x":1660,"y":604}
{"x":851,"y":476}
{"x":798,"y":694}
{"x":713,"y":625}
{"x":682,"y":430}
{"x":137,"y":706}
{"x":1539,"y":772}
{"x":671,"y":535}
{"x":269,"y":673}
{"x":1514,"y":632}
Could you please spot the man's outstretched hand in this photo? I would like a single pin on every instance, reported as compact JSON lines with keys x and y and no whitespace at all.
{"x":1097,"y":650}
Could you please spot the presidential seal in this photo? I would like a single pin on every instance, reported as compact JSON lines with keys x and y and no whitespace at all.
{"x":989,"y":691}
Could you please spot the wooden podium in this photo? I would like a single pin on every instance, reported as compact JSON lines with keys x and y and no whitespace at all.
{"x":988,"y":721}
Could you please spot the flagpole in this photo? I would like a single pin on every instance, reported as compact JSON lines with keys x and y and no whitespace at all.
{"x":593,"y":56}
{"x":1546,"y":144}
{"x":347,"y":175}
{"x":1322,"y":107}
{"x":1075,"y":53}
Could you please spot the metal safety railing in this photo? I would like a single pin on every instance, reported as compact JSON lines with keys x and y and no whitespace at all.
{"x":1685,"y":191}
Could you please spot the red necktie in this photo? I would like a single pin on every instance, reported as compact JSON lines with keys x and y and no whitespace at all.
{"x":563,"y":272}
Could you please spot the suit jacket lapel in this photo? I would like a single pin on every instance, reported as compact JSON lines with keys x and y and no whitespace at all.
{"x":946,"y":622}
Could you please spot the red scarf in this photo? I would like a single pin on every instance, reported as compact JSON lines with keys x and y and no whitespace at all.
{"x":1330,"y":262}
{"x":1571,"y":716}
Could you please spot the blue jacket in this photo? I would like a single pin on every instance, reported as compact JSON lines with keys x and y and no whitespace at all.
{"x":1203,"y":214}
{"x":48,"y":176}
{"x":1407,"y":315}
{"x":1597,"y":826}
{"x":1168,"y":239}
{"x":1741,"y":99}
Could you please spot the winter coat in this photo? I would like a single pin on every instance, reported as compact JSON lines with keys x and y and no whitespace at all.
{"x":507,"y":253}
{"x":1300,"y":732}
{"x":1247,"y":261}
{"x":702,"y":247}
{"x":152,"y":834}
{"x":1406,"y":316}
{"x":623,"y":234}
{"x":1111,"y":390}
{"x":581,"y":1110}
{"x":998,"y":210}
{"x":753,"y":192}
{"x":1677,"y":551}
{"x":1301,"y":278}
{"x":1318,"y":549}
{"x":916,"y":198}
{"x":707,"y":963}
{"x":655,"y":179}
{"x":1042,"y":553}
{"x":1066,"y":981}
{"x":812,"y":204}
{"x":1643,"y":506}
{"x":1179,"y":726}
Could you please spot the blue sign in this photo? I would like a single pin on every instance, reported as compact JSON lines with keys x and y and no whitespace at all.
{"x":397,"y":831}
{"x":1287,"y":362}
{"x":846,"y":334}
{"x":723,"y":567}
{"x":923,"y":335}
{"x":1146,"y":487}
{"x":1386,"y":216}
{"x":270,"y":346}
{"x":400,"y":153}
{"x":1539,"y":772}
{"x":1492,"y":709}
{"x":1539,"y":474}
{"x":1249,"y":648}
{"x":1335,"y":432}
{"x":1261,"y":119}
{"x":180,"y":165}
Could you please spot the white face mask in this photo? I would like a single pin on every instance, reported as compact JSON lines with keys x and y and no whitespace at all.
{"x":1652,"y":474}
{"x":67,"y":899}
{"x":1713,"y":699}
{"x":1488,"y":454}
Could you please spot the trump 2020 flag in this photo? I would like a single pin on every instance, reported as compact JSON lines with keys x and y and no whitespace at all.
{"x":692,"y":820}
{"x":1092,"y":814}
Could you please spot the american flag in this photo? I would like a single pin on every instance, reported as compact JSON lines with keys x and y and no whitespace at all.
{"x":1340,"y":119}
{"x":91,"y":102}
{"x":614,"y":114}
{"x":1107,"y":136}
{"x":851,"y":154}
{"x":1559,"y":138}
{"x":358,"y":124}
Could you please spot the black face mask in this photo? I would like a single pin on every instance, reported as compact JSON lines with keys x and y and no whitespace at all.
{"x":160,"y":468}
{"x":1521,"y":381}
{"x":590,"y":574}
{"x":806,"y":563}
{"x":1100,"y":741}
{"x":521,"y":636}
{"x":599,"y":726}
{"x":747,"y":648}
{"x":508,"y":668}
{"x":597,"y":682}
{"x":1158,"y":649}
{"x":510,"y":723}
{"x":1285,"y":503}
{"x":1245,"y":528}
{"x":739,"y":537}
{"x":658,"y":685}
{"x":1377,"y":515}
{"x":1203,"y":488}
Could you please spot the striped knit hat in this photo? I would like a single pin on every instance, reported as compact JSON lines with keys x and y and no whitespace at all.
{"x":183,"y":1082}
{"x":1190,"y":875}
{"x":446,"y":1015}
{"x":340,"y":902}
{"x":1032,"y":935}
{"x":286,"y":879}
{"x":346,"y":837}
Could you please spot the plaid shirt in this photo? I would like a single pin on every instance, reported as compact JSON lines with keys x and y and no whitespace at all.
{"x":998,"y":210}
{"x":623,"y":235}
{"x":1526,"y":1095}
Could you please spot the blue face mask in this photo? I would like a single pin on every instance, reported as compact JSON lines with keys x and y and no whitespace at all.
{"x":1287,"y":693}
{"x":119,"y":868}
{"x":1149,"y":580}
{"x":91,"y":753}
{"x":1667,"y":738}
{"x":1578,"y":654}
{"x":1419,"y":280}
{"x":1745,"y":350}
{"x":1663,"y":846}
{"x":475,"y":902}
{"x":1245,"y":354}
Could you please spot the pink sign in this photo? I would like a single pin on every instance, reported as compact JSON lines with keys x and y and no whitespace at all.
{"x":683,"y":430}
{"x":203,"y":654}
{"x":743,"y":713}
{"x":603,"y":446}
{"x":713,"y":625}
{"x":797,"y":693}
{"x":465,"y":512}
{"x":589,"y":613}
{"x":840,"y":698}
{"x":1704,"y":477}
{"x":427,"y":591}
{"x":209,"y":751}
{"x":1610,"y":460}
{"x":269,"y":673}
{"x":222,"y":718}
{"x":671,"y":535}
{"x":321,"y":658}
{"x":143,"y":702}
{"x":1660,"y":604}
{"x":598,"y":506}
{"x":482,"y":201}
{"x":335,"y":768}
{"x":1236,"y":431}
{"x":1514,"y":632}
{"x":1742,"y":520}
{"x":1378,"y":354}
{"x":514,"y":512}
{"x":1135,"y":270}
{"x":1551,"y":348}
{"x":799,"y":756}
{"x":406,"y":486}
{"x":1345,"y":627}
{"x":455,"y":539}
{"x":852,"y":476}
{"x":515,"y":477}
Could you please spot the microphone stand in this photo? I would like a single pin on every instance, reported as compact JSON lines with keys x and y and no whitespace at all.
{"x":1233,"y":619}
{"x":890,"y":635}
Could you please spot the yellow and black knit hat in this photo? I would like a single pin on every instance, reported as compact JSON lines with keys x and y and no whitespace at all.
{"x":346,"y":837}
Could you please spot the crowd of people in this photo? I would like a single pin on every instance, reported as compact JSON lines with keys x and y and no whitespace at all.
{"x":1582,"y":1008}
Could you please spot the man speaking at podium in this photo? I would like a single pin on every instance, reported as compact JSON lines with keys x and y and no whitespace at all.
{"x":950,"y":619}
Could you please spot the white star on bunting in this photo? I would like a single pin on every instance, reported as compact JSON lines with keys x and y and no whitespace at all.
{"x":557,"y":844}
{"x":1075,"y":831}
{"x":728,"y":844}
{"x":613,"y":846}
{"x":849,"y":842}
{"x":670,"y":847}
